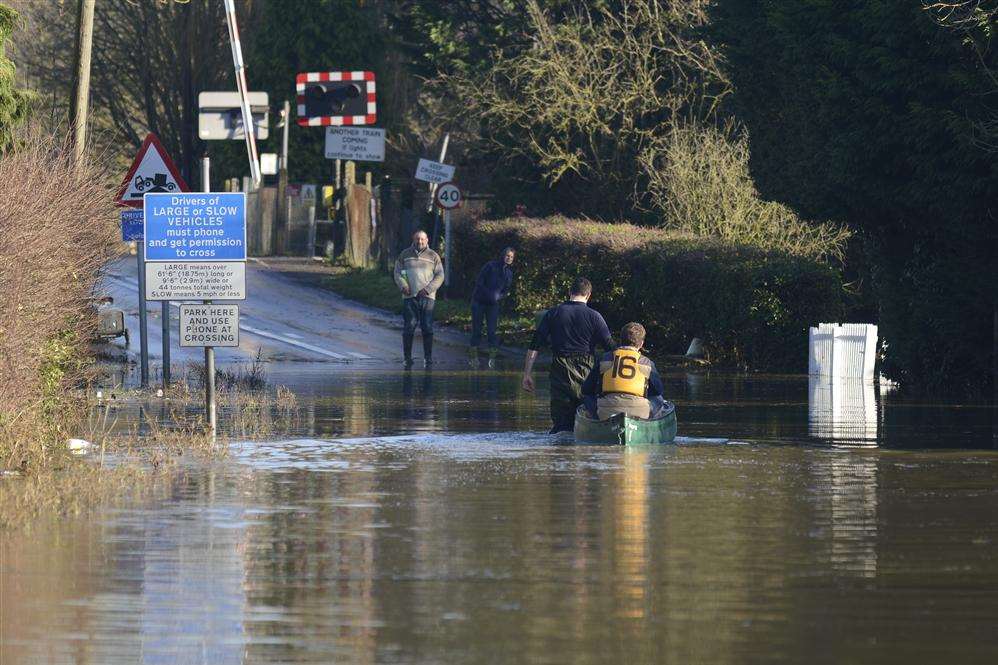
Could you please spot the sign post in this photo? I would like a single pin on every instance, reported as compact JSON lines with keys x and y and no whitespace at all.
{"x":143,"y":323}
{"x":195,"y":249}
{"x":209,"y":351}
{"x":151,"y":171}
{"x":131,"y":230}
{"x":448,"y":197}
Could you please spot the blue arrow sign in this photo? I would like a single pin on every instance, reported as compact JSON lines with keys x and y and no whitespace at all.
{"x":195,"y":226}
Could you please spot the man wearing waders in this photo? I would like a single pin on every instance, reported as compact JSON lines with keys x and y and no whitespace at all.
{"x":573,"y":331}
{"x":418,"y":274}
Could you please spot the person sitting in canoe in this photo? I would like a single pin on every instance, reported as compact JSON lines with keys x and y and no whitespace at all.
{"x":624,"y":381}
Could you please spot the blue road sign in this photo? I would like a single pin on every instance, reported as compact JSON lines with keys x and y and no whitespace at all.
{"x":195,"y":226}
{"x":131,"y":225}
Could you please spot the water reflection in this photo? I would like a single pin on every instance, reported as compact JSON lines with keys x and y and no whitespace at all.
{"x":631,"y":542}
{"x":498,"y":548}
{"x":415,"y":518}
{"x":843,"y":410}
{"x":847,"y":505}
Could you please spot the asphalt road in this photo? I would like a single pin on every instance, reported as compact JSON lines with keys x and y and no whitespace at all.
{"x":286,"y":317}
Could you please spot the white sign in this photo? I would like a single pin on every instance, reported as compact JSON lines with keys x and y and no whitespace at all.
{"x":360,"y":144}
{"x":268,"y":163}
{"x":196,"y":281}
{"x":209,"y":325}
{"x":430,"y":171}
{"x":448,"y":196}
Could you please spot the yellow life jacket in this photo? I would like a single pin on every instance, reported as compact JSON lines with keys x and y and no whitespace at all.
{"x":622,"y":373}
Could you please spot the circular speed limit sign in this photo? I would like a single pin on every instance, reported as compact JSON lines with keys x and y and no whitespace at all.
{"x":448,"y":196}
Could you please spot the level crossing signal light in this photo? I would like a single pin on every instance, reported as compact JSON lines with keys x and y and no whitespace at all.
{"x":336,"y":98}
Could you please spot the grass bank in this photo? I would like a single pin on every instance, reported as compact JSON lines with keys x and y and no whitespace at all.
{"x":376,"y":288}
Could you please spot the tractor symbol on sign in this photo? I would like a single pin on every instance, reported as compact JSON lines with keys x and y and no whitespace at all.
{"x":158,"y":183}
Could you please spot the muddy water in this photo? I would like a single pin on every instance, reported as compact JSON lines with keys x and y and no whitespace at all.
{"x":419,"y":520}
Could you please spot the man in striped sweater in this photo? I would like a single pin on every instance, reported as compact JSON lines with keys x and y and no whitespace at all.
{"x":419,"y":272}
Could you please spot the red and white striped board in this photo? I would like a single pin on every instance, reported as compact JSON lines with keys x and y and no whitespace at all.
{"x":302,"y":81}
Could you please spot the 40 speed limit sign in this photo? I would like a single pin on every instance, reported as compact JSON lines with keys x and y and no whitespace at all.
{"x":448,"y":196}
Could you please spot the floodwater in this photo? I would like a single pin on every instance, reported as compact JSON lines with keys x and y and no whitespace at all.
{"x":422,"y":518}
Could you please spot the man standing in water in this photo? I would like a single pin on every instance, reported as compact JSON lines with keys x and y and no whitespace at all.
{"x":572,"y":330}
{"x":418,"y":274}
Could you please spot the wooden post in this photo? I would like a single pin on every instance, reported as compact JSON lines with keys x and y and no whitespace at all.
{"x":81,"y":84}
{"x":338,"y":182}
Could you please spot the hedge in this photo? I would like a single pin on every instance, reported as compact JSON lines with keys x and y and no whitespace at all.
{"x":751,"y":307}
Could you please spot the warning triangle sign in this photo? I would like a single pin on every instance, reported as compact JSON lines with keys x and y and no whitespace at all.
{"x":152,"y":171}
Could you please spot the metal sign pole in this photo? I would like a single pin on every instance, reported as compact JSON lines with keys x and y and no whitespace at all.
{"x":143,"y":331}
{"x":447,"y":250}
{"x":165,"y":315}
{"x":209,"y":352}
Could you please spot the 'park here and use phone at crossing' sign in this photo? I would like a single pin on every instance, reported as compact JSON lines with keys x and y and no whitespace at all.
{"x":209,"y":325}
{"x":360,"y":144}
{"x":195,"y":246}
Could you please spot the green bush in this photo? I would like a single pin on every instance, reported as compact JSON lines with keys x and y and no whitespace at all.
{"x":751,"y":307}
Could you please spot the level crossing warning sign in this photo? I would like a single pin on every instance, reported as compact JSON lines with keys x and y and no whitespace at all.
{"x":196,"y":226}
{"x":152,"y":171}
{"x":195,"y":246}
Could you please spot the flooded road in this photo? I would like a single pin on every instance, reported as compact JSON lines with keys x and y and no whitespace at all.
{"x":421,"y":518}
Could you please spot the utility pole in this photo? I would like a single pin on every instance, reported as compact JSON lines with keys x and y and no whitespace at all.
{"x":81,"y":83}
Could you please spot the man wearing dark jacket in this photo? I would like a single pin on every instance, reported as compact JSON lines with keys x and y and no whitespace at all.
{"x":573,"y":331}
{"x":493,"y":284}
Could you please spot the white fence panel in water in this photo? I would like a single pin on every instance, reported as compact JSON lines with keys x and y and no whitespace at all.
{"x":846,"y":351}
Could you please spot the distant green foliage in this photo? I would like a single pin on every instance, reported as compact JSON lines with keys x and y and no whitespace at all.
{"x":752,"y":307}
{"x":699,"y":180}
{"x":314,"y":36}
{"x":569,"y":113}
{"x":613,"y":107}
{"x":870,"y":111}
{"x":14,"y":103}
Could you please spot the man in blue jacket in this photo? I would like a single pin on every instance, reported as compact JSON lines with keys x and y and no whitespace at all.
{"x":573,"y":331}
{"x":493,"y":284}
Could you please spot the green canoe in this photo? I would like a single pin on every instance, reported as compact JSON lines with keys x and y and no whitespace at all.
{"x":626,"y":430}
